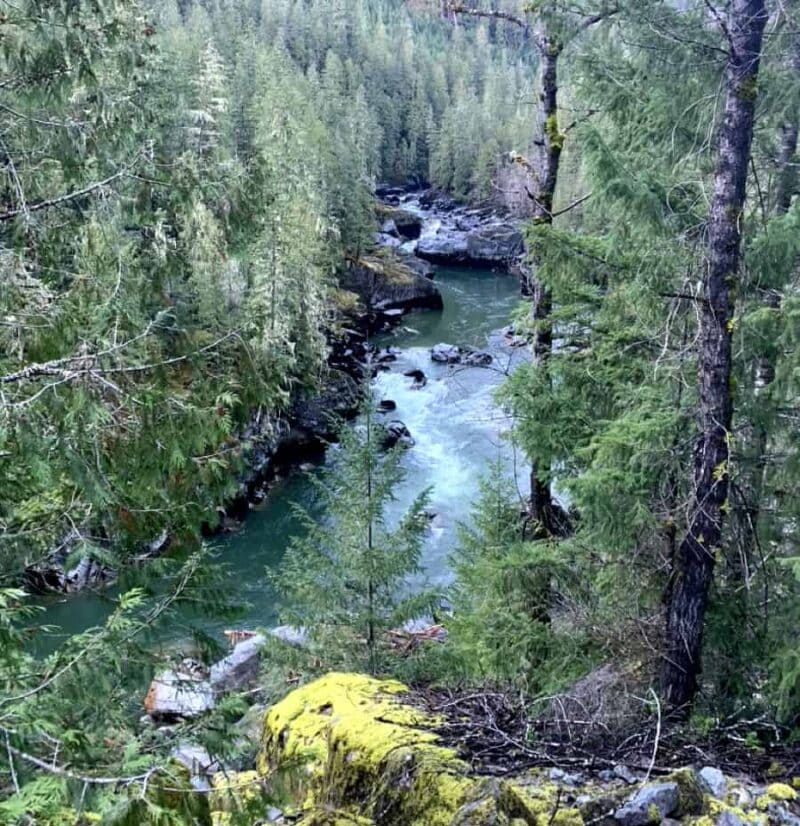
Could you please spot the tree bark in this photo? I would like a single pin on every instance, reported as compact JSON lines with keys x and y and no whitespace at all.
{"x":697,"y":552}
{"x":787,"y":155}
{"x":548,"y":143}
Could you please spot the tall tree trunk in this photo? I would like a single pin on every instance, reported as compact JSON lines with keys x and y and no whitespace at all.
{"x":787,"y":155}
{"x":696,"y":554}
{"x":548,"y":143}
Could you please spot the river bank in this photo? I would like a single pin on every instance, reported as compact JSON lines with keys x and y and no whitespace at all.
{"x":453,"y":419}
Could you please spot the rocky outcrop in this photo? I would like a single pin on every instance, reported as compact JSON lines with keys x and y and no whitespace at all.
{"x":453,"y":354}
{"x":397,"y":434}
{"x":495,"y":245}
{"x":359,"y":750}
{"x":353,"y":749}
{"x":400,"y":223}
{"x":316,"y":417}
{"x":392,"y":281}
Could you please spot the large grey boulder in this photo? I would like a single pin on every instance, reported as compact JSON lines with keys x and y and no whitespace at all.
{"x":175,"y":694}
{"x":408,"y":224}
{"x":660,"y":799}
{"x":394,"y":281}
{"x":713,"y":781}
{"x":494,"y":246}
{"x":445,"y":247}
{"x":240,"y":668}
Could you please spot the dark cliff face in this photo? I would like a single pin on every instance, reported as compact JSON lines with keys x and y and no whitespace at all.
{"x":392,"y":281}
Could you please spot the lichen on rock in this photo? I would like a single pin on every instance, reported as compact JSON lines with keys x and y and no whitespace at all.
{"x":347,"y":742}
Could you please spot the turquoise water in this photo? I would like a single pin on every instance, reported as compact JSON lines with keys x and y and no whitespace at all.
{"x":457,"y":428}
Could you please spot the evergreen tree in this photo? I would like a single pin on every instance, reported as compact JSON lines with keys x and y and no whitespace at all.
{"x":346,"y":582}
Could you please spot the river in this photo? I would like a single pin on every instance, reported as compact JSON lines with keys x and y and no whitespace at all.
{"x":454,"y":421}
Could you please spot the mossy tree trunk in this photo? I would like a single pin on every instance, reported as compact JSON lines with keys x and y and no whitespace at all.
{"x":548,"y":143}
{"x":697,"y":552}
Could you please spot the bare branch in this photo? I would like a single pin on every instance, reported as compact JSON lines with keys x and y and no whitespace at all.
{"x":62,"y":199}
{"x":493,"y":14}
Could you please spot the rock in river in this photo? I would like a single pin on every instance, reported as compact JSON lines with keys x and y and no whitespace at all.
{"x":420,"y":379}
{"x":494,"y":245}
{"x":446,"y":353}
{"x":392,"y":281}
{"x":178,"y":694}
{"x":397,"y":434}
{"x":453,"y":354}
{"x":478,"y":359}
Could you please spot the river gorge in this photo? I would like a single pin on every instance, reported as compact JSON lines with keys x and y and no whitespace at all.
{"x":457,"y":428}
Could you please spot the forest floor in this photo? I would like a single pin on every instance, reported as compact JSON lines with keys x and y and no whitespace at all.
{"x":498,"y":734}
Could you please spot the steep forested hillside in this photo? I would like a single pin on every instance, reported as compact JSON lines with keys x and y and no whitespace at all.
{"x":194,"y":256}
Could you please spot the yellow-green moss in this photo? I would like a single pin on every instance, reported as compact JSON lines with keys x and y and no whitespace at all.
{"x":347,"y":740}
{"x":691,"y":800}
{"x":776,"y":793}
{"x":334,"y":818}
{"x":345,"y":301}
{"x":715,"y":807}
{"x":386,"y":266}
{"x":538,"y":804}
{"x":236,"y":792}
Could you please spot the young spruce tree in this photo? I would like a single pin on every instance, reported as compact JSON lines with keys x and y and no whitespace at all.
{"x":345,"y":581}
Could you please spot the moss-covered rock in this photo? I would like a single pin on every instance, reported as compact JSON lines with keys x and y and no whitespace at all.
{"x":237,"y":797}
{"x":351,"y":750}
{"x":347,"y":742}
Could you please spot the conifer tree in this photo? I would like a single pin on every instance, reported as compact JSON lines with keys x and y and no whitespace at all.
{"x":348,"y":580}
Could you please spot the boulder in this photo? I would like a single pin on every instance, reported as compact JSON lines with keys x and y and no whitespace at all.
{"x":494,"y":246}
{"x":391,"y":282}
{"x":240,"y":668}
{"x":447,"y":246}
{"x":626,"y":774}
{"x":178,"y":695}
{"x":420,"y":379}
{"x":387,"y":406}
{"x":387,"y":355}
{"x":408,"y":224}
{"x":713,"y":781}
{"x":478,"y":359}
{"x":315,"y":419}
{"x":389,"y":227}
{"x":650,"y":804}
{"x":397,"y":434}
{"x":446,"y":353}
{"x":419,"y":265}
{"x":348,"y":743}
{"x":489,"y":246}
{"x":382,"y":239}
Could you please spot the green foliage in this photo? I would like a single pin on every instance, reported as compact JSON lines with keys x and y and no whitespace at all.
{"x":346,"y":582}
{"x":511,"y":600}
